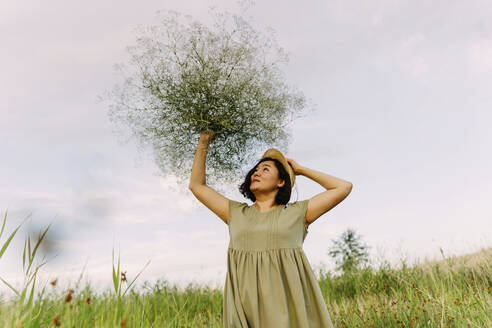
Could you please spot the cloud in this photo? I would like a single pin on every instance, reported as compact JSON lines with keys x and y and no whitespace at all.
{"x":367,"y":62}
{"x":480,"y":56}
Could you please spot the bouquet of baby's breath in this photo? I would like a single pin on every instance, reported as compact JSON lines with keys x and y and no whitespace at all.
{"x":188,"y":77}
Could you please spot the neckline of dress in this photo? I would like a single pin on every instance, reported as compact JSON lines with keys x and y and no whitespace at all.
{"x":258,"y":211}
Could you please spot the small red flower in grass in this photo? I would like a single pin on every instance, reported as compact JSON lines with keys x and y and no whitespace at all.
{"x":123,"y":323}
{"x":68,"y":298}
{"x":56,"y":320}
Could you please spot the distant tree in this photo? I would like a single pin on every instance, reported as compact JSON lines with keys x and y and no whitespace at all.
{"x":188,"y":78}
{"x":348,"y":251}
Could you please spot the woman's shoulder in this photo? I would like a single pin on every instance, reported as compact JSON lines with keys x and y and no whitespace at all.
{"x":236,"y":209}
{"x":299,"y":206}
{"x":298,"y":203}
{"x":236,"y":204}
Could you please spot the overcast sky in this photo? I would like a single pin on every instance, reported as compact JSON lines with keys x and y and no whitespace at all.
{"x":403,"y":97}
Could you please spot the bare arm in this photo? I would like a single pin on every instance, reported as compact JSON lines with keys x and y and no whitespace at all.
{"x":336,"y":191}
{"x":326,"y":180}
{"x":216,"y":202}
{"x":198,"y":168}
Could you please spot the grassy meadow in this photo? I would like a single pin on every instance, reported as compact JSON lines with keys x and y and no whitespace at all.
{"x":453,"y":292}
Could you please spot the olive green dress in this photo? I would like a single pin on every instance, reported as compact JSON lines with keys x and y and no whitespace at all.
{"x":269,"y":281}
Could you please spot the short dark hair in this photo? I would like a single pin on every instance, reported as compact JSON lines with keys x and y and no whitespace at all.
{"x":283,"y":194}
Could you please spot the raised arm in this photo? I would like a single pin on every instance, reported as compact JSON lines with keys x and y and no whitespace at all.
{"x":336,"y":191}
{"x":216,"y":202}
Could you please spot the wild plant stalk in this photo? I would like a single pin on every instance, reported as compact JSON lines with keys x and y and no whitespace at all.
{"x":30,"y":273}
{"x":117,"y":283}
{"x":452,"y":293}
{"x":26,"y":312}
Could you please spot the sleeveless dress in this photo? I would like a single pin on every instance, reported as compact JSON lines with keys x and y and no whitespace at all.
{"x":269,"y":281}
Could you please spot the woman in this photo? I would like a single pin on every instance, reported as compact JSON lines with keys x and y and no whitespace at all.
{"x":269,"y":281}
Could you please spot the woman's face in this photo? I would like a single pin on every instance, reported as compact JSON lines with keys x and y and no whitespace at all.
{"x":265,"y":177}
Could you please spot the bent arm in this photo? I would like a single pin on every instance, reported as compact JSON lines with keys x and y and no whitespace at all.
{"x":336,"y":190}
{"x":326,"y":180}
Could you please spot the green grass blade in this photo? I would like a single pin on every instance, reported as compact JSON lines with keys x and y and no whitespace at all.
{"x":23,"y":294}
{"x":36,"y":247}
{"x":24,"y":257}
{"x":29,"y":247}
{"x":3,"y":225}
{"x":31,"y":279}
{"x":6,"y":283}
{"x":6,"y":244}
{"x":118,"y":275}
{"x":81,"y":275}
{"x":115,"y":275}
{"x":29,"y":302}
{"x":135,"y":278}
